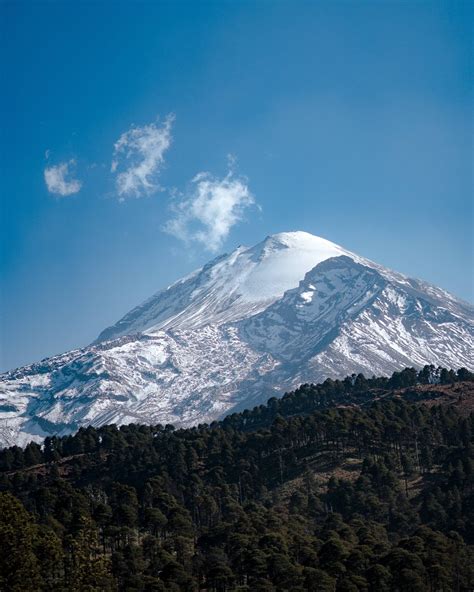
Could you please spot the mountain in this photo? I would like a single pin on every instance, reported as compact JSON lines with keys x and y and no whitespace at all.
{"x":231,"y":287}
{"x":249,"y":325}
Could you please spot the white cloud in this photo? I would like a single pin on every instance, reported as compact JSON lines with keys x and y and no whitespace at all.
{"x":210,"y":209}
{"x":59,"y":181}
{"x":139,"y":157}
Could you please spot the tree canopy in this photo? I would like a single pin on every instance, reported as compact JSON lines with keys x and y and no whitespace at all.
{"x":374,"y":494}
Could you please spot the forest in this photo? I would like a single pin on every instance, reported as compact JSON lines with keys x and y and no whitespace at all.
{"x":361,"y":484}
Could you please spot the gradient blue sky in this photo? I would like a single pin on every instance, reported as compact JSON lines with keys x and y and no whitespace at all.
{"x":349,"y":120}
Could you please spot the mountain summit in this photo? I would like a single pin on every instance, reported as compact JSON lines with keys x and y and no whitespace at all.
{"x":247,"y":326}
{"x":231,"y":287}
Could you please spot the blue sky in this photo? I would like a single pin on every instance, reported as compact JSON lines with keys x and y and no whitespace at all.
{"x":348,"y":120}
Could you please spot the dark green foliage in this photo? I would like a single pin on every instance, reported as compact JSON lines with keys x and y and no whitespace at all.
{"x":19,"y":566}
{"x":372,"y":498}
{"x":355,"y":389}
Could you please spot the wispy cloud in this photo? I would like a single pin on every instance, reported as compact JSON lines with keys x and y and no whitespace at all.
{"x":59,"y":180}
{"x":139,"y":157}
{"x":209,"y":210}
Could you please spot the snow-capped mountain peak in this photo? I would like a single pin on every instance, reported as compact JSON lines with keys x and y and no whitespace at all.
{"x":231,"y":287}
{"x":247,"y":326}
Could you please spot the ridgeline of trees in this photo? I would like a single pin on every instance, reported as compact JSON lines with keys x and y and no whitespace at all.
{"x":377,"y":497}
{"x":353,"y":390}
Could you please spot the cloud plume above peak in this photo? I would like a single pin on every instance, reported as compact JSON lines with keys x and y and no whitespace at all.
{"x":59,"y":181}
{"x":139,"y":157}
{"x":210,"y":209}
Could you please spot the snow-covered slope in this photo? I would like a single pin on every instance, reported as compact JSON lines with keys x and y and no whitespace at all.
{"x":179,"y":376}
{"x":346,"y":317}
{"x":249,"y":325}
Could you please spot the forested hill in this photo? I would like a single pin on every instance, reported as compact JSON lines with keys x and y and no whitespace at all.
{"x":428,"y":384}
{"x":374,"y":494}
